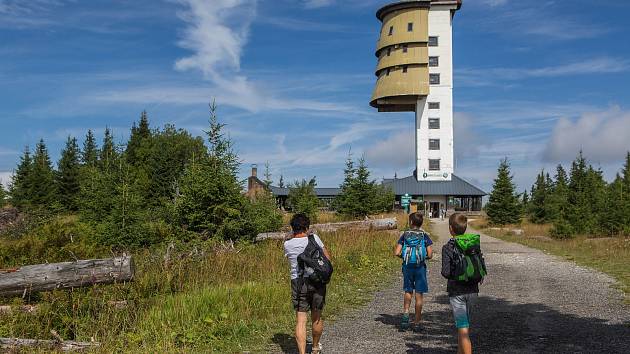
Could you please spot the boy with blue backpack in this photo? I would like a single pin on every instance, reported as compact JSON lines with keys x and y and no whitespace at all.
{"x":414,"y":247}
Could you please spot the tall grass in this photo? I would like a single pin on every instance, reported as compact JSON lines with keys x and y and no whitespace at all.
{"x":610,"y":255}
{"x":206,"y":298}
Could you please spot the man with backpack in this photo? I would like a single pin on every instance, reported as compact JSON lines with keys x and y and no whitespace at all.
{"x":310,"y":272}
{"x":414,"y":247}
{"x":464,"y":267}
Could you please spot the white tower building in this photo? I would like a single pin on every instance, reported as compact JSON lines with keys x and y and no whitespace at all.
{"x":415,"y":73}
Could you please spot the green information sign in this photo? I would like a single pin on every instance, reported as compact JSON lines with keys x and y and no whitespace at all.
{"x":405,"y":202}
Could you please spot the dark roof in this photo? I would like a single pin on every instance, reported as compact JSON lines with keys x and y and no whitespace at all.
{"x":321,"y":192}
{"x":455,"y":187}
{"x":406,"y":4}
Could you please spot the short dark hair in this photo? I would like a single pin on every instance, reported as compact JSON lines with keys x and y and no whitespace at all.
{"x":416,"y":219}
{"x":458,"y":223}
{"x":300,"y":223}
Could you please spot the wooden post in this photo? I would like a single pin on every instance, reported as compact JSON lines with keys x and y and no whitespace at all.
{"x":45,"y":277}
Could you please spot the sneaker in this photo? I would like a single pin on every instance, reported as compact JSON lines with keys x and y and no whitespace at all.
{"x":317,"y":350}
{"x":404,"y":324}
{"x":417,"y":328}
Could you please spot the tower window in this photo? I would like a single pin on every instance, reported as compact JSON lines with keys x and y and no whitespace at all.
{"x":434,"y":165}
{"x":391,"y":30}
{"x":434,"y":123}
{"x":389,"y":51}
{"x":405,"y":69}
{"x":405,"y":48}
{"x":433,"y":41}
{"x":434,"y":144}
{"x":434,"y":105}
{"x":410,"y":27}
{"x":387,"y":72}
{"x":434,"y":61}
{"x":434,"y":79}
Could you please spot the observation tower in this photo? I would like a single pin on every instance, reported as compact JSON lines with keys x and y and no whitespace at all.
{"x":415,"y":74}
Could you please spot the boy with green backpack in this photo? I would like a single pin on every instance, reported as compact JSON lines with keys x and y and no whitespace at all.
{"x":414,"y":247}
{"x":464,"y":267}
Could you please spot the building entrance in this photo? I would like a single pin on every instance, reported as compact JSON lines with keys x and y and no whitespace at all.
{"x":434,"y":210}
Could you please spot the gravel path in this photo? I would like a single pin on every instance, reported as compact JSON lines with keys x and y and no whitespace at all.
{"x":530,"y":303}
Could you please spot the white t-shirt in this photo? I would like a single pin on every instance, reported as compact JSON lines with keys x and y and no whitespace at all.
{"x":295,"y":247}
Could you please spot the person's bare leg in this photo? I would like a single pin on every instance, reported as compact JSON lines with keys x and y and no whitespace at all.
{"x":464,"y":346}
{"x":419,"y":302}
{"x":318,"y":328}
{"x":300,"y":331}
{"x":407,"y":302}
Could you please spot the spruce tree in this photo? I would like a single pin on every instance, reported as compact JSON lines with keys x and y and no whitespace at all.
{"x":108,"y":153}
{"x":597,"y":189}
{"x":503,"y":206}
{"x":613,"y":219}
{"x":365,"y":198}
{"x":525,"y":199}
{"x":3,"y":195}
{"x":538,"y":205}
{"x":268,"y":177}
{"x":89,"y":155}
{"x":579,"y":209}
{"x":211,"y":197}
{"x":43,"y":192}
{"x":68,"y":175}
{"x":360,"y":196}
{"x":343,"y":201}
{"x":140,"y":135}
{"x":625,"y":197}
{"x":558,"y":202}
{"x":20,"y":188}
{"x":281,"y":182}
{"x":303,"y":199}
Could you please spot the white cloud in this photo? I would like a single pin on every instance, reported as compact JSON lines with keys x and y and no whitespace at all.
{"x":494,"y":3}
{"x":315,"y":4}
{"x":5,"y":178}
{"x":494,"y":76}
{"x":537,"y":18}
{"x":603,"y":136}
{"x":396,"y":151}
{"x":467,"y":140}
{"x":216,"y":33}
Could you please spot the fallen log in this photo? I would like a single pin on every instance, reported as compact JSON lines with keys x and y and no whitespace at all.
{"x":66,"y":346}
{"x":377,"y":224}
{"x":45,"y":277}
{"x":8,"y":309}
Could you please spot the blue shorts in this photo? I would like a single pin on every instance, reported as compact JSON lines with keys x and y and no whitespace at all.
{"x":415,"y":279}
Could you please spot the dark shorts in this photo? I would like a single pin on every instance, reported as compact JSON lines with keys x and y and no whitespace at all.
{"x":307,"y":298}
{"x":415,"y":279}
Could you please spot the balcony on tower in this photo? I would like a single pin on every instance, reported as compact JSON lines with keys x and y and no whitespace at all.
{"x":403,"y":58}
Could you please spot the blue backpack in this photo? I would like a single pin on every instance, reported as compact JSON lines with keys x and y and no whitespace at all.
{"x":414,"y":250}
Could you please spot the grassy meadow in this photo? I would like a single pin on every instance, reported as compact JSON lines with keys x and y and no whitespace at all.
{"x":610,"y":255}
{"x":206,"y":297}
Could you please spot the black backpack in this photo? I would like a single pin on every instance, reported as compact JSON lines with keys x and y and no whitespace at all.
{"x":313,"y":264}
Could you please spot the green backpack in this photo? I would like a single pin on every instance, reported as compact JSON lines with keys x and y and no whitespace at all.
{"x":469,"y":262}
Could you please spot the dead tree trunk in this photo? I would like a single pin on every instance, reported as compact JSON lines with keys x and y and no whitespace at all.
{"x":378,"y":224}
{"x":66,"y":346}
{"x":45,"y":277}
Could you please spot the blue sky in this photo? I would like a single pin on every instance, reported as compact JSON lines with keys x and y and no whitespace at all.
{"x":534,"y":80}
